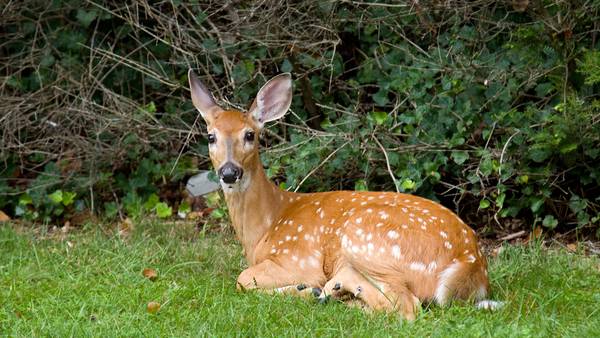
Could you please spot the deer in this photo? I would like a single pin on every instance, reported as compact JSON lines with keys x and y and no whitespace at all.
{"x":388,"y":251}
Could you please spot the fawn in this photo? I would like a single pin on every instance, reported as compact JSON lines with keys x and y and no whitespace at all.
{"x":388,"y":251}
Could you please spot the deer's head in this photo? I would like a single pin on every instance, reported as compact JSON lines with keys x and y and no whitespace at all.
{"x":233,"y":135}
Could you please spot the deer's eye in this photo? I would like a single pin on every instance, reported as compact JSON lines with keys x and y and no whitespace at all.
{"x":211,"y":138}
{"x":249,"y":136}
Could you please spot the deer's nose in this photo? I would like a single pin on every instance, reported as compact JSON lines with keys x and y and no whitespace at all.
{"x":230,"y":173}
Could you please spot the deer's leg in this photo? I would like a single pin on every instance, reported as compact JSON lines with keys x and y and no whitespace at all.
{"x":348,"y":280}
{"x":271,"y":278}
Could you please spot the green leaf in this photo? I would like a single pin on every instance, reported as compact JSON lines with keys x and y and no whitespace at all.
{"x":68,"y":198}
{"x":360,"y":185}
{"x":184,"y":207}
{"x":286,"y":66}
{"x":459,"y":157}
{"x":550,"y":222}
{"x":25,"y":199}
{"x":56,"y":196}
{"x":484,"y":204}
{"x":85,"y":18}
{"x":218,"y":213}
{"x":381,"y":97}
{"x":539,"y":155}
{"x":151,"y":202}
{"x":163,"y":210}
{"x":379,"y":117}
{"x":537,"y":204}
{"x":111,"y":209}
{"x":408,"y":184}
{"x":500,"y":200}
{"x":567,"y":148}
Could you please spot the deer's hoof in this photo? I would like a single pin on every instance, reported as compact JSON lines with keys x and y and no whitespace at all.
{"x":316,"y":292}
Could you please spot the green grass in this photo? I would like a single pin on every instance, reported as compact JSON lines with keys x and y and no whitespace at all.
{"x":90,"y":284}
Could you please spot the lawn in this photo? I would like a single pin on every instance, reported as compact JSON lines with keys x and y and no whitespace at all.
{"x":89,"y":282}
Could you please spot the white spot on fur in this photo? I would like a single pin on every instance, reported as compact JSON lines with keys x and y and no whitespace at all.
{"x":288,"y":237}
{"x":363,"y":203}
{"x":355,"y":248}
{"x":300,"y":228}
{"x":344,"y":241}
{"x":393,"y":234}
{"x":369,"y":236}
{"x":369,"y":210}
{"x":404,"y":226}
{"x":286,"y":251}
{"x":417,"y":266}
{"x":359,"y":231}
{"x":432,"y":267}
{"x":396,"y":251}
{"x":273,"y":251}
{"x":384,"y":215}
{"x":358,"y":220}
{"x":448,"y":245}
{"x":471,"y":259}
{"x":322,"y":214}
{"x":313,"y":262}
{"x":443,"y":234}
{"x":295,"y":258}
{"x":379,"y":225}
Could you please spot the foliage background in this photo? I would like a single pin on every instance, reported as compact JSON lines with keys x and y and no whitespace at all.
{"x":491,"y":107}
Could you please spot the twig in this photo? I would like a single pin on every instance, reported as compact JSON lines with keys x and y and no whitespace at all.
{"x":513,"y":236}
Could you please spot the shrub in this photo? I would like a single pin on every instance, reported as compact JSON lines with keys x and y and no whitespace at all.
{"x":490,"y":107}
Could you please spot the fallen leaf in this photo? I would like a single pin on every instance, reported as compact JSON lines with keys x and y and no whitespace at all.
{"x":572,"y":247}
{"x":151,"y":274}
{"x":497,"y":251}
{"x":153,"y":307}
{"x":66,"y":227}
{"x":536,"y":233}
{"x":4,"y":217}
{"x":125,"y":227}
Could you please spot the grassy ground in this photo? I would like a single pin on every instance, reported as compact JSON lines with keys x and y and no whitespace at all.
{"x":89,"y":283}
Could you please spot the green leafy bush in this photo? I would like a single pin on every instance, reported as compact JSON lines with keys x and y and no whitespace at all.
{"x":490,"y":109}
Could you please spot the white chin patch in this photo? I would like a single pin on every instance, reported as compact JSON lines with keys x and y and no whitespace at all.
{"x":239,"y":186}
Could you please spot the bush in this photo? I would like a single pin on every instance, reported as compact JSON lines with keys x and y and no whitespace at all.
{"x":490,"y":107}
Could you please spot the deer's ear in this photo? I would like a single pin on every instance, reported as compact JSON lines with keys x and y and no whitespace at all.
{"x":273,"y":99}
{"x":202,"y":98}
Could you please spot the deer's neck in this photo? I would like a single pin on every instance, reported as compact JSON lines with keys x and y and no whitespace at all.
{"x":254,"y":210}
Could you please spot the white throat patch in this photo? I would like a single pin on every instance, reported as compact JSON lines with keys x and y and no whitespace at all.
{"x":239,"y":186}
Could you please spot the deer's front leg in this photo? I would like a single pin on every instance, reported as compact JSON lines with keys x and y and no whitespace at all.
{"x":271,"y":278}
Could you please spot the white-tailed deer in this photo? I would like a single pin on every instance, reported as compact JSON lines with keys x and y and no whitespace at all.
{"x":388,"y":250}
